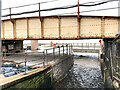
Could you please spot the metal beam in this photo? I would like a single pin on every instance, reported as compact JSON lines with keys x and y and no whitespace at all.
{"x":102,"y":27}
{"x":61,"y":28}
{"x":3,"y":29}
{"x":14,"y":29}
{"x":59,"y":24}
{"x":42,"y":29}
{"x":27,"y":27}
{"x":78,"y":18}
{"x":39,"y":13}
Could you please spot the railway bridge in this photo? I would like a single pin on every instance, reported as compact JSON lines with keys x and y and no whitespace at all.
{"x":60,"y":27}
{"x":14,"y":31}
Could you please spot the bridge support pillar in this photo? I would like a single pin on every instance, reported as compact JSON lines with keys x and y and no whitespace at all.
{"x":34,"y":44}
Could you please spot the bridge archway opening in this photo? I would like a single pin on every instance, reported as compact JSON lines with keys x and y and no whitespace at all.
{"x":81,"y":47}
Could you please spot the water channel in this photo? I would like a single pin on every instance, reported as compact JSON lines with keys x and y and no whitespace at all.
{"x":85,"y":73}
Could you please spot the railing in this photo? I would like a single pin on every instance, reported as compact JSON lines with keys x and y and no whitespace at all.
{"x":21,"y":58}
{"x":41,"y":58}
{"x":57,"y":52}
{"x":87,"y":45}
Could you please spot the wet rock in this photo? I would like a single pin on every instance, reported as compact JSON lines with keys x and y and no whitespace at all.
{"x":86,"y":74}
{"x":9,"y":64}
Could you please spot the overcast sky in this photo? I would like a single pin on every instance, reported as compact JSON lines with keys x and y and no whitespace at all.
{"x":58,"y":3}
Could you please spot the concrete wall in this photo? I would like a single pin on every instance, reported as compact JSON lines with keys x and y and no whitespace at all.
{"x":62,"y":66}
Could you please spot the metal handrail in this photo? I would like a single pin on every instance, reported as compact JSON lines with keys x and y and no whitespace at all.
{"x":87,"y":45}
{"x":44,"y":57}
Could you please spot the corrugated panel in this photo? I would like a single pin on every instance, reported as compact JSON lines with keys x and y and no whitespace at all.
{"x":69,"y":27}
{"x":21,"y":29}
{"x":51,"y":28}
{"x":111,"y":27}
{"x":34,"y":28}
{"x":8,"y":30}
{"x":90,"y":27}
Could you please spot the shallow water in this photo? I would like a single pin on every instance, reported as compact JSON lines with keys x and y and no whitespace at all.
{"x":85,"y":73}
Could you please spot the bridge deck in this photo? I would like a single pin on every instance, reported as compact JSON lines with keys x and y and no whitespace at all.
{"x":60,"y":27}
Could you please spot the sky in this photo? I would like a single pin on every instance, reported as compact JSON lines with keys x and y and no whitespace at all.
{"x":58,"y":3}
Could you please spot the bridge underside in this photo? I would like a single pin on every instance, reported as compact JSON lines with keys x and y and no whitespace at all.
{"x":60,"y":27}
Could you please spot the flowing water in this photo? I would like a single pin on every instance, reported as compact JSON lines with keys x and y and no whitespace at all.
{"x":85,"y":73}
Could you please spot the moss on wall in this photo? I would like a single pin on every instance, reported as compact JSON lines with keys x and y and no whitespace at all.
{"x":41,"y":80}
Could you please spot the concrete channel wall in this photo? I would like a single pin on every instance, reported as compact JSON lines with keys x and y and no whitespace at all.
{"x":110,"y":64}
{"x":45,"y":78}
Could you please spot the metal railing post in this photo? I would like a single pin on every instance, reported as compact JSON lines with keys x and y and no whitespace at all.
{"x":59,"y":50}
{"x":94,"y":45}
{"x":43,"y":59}
{"x":54,"y":53}
{"x":66,"y":49}
{"x":88,"y":45}
{"x":46,"y":58}
{"x":82,"y":45}
{"x":25,"y":62}
{"x":63,"y":49}
{"x":69,"y":49}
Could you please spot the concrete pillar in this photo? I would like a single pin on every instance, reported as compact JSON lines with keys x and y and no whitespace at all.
{"x":34,"y":44}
